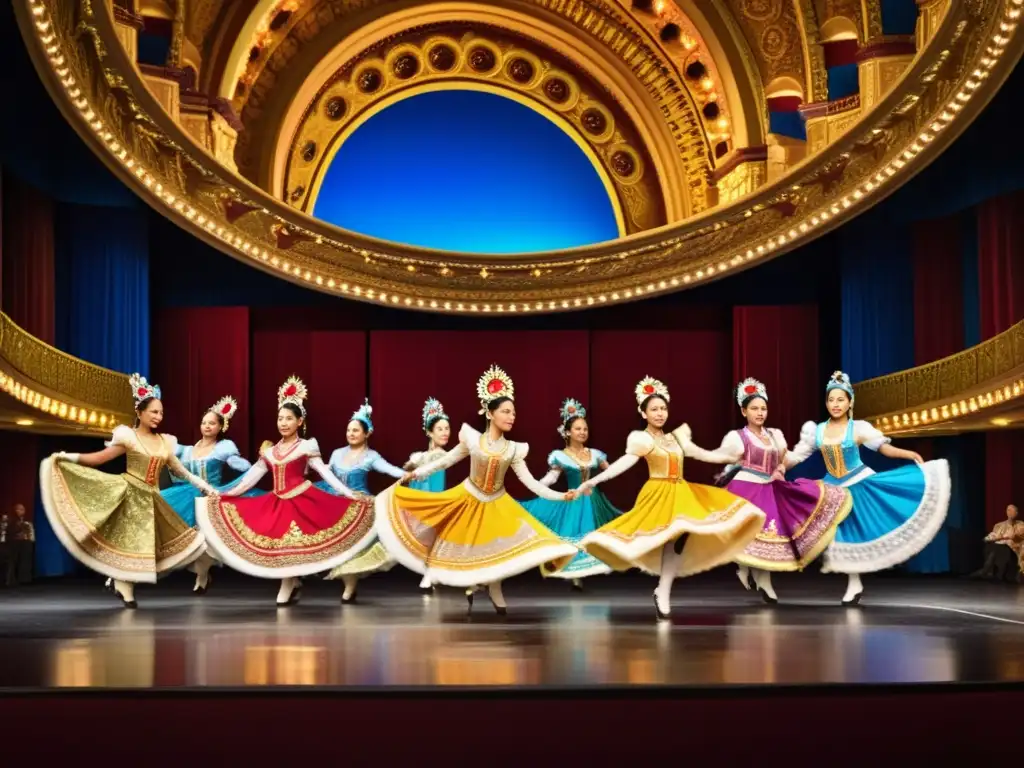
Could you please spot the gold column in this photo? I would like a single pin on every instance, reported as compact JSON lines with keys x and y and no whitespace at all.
{"x":929,"y":17}
{"x":880,"y":63}
{"x":739,"y":174}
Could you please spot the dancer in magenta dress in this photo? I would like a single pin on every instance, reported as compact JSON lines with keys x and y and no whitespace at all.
{"x":297,"y":529}
{"x":801,"y":516}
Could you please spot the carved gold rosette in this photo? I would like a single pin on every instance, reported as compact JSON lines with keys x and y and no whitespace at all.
{"x":971,"y":50}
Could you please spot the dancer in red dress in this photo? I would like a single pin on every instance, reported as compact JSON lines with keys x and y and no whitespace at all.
{"x":297,"y":529}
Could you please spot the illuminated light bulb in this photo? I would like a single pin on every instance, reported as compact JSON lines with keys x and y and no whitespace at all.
{"x":707,"y":84}
{"x":722,"y":123}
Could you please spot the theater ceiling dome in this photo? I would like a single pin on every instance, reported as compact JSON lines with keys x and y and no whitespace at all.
{"x":727,"y":132}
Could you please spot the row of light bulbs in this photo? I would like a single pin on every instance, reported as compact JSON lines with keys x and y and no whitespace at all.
{"x":232,"y":238}
{"x":953,"y":410}
{"x":55,"y":407}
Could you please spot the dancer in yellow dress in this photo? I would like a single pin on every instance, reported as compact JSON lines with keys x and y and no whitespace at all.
{"x":675,"y":528}
{"x":120,"y":525}
{"x":474,"y":533}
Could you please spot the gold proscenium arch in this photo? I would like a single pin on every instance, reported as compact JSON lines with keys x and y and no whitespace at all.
{"x":666,"y":131}
{"x":473,"y":62}
{"x":644,"y":205}
{"x":965,"y":53}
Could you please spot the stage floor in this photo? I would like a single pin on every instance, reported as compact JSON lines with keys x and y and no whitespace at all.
{"x":908,"y":630}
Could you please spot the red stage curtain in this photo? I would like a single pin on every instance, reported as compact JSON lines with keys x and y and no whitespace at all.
{"x":333,"y":366}
{"x":778,"y":345}
{"x":938,"y":289}
{"x":1000,"y":266}
{"x":406,"y":367}
{"x":200,"y":354}
{"x":28,"y":259}
{"x":693,"y":364}
{"x":18,"y":471}
{"x":1004,"y":482}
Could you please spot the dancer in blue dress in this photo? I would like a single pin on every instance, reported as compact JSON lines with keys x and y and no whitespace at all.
{"x":352,"y":466}
{"x":574,"y":519}
{"x":895,"y":513}
{"x":438,"y":429}
{"x":206,"y":459}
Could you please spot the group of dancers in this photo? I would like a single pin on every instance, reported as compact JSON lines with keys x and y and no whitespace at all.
{"x":474,"y":536}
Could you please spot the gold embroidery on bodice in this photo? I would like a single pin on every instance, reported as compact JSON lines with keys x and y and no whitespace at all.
{"x":487,"y":469}
{"x":142,"y":465}
{"x":665,"y":462}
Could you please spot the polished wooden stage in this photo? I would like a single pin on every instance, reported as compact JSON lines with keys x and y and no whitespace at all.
{"x":561,"y":665}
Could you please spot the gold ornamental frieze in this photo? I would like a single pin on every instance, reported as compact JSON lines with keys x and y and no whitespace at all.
{"x":972,"y":49}
{"x":59,"y":385}
{"x":988,"y":375}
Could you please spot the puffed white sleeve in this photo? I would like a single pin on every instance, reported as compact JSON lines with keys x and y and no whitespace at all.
{"x":316,"y":463}
{"x":175,"y":466}
{"x":864,"y":433}
{"x":638,"y":445}
{"x":450,"y":458}
{"x":124,"y":436}
{"x":527,"y":479}
{"x":554,"y":471}
{"x":729,"y":452}
{"x":232,"y":456}
{"x":805,"y":448}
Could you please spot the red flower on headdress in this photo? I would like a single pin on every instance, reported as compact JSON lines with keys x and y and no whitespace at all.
{"x":749,"y":389}
{"x":291,"y":390}
{"x":494,"y":386}
{"x":225,"y":409}
{"x":143,"y":392}
{"x":649,"y":389}
{"x":571,"y":409}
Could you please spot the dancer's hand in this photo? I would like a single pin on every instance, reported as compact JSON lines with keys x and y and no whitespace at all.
{"x":407,"y":478}
{"x":779,"y":473}
{"x":916,"y":457}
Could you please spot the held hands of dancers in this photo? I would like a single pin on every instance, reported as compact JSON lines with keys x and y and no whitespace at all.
{"x":69,"y":457}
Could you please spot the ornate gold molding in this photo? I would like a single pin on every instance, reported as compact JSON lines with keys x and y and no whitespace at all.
{"x":434,"y":60}
{"x":101,"y":93}
{"x":986,"y":375}
{"x":60,"y":385}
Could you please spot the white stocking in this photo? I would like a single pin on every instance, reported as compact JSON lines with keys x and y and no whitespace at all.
{"x":669,"y":563}
{"x":351,"y":581}
{"x":743,"y":572}
{"x":125,"y":589}
{"x":853,"y":587}
{"x":202,"y":569}
{"x":763,"y":579}
{"x":494,"y":590}
{"x":425,"y":583}
{"x":287,"y":587}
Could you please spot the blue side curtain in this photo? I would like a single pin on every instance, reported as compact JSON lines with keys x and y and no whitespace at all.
{"x":877,"y":298}
{"x":789,"y":124}
{"x":899,"y":17}
{"x":843,"y":81}
{"x":102,"y":257}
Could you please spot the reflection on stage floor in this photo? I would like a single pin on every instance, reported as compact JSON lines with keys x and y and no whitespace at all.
{"x":907,"y":631}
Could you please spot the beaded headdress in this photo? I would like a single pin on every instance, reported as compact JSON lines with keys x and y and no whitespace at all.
{"x":433,"y":411}
{"x":363,"y":415}
{"x":226,"y":408}
{"x":292,"y":392}
{"x":840,"y":380}
{"x":750,"y":388}
{"x":650,"y":387}
{"x":495,"y":383}
{"x":142,"y":389}
{"x":571,"y":409}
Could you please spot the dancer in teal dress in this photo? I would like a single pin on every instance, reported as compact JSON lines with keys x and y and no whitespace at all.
{"x":206,"y":459}
{"x":895,"y":514}
{"x":574,"y":519}
{"x":352,"y":466}
{"x":438,"y":429}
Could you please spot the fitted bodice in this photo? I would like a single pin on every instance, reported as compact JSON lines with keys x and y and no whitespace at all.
{"x":142,"y":464}
{"x":576,"y":473}
{"x":665,"y":459}
{"x":288,"y":468}
{"x":211,"y":466}
{"x":487,"y":468}
{"x":842,"y":458}
{"x":757,"y":457}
